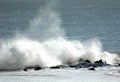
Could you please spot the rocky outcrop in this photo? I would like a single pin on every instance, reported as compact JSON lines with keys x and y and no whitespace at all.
{"x":87,"y":64}
{"x":83,"y":64}
{"x":37,"y":67}
{"x":59,"y":66}
{"x":92,"y":68}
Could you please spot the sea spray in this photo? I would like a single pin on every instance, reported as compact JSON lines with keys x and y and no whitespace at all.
{"x":44,"y":44}
{"x":94,"y":52}
{"x":46,"y":24}
{"x":24,"y":52}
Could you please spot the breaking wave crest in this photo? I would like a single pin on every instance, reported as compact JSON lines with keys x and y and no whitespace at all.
{"x":44,"y":44}
{"x":22,"y":52}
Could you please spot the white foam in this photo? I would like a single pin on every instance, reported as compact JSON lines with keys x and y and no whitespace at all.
{"x":44,"y":45}
{"x":23,"y":52}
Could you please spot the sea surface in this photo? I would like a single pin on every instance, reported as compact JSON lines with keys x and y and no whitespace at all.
{"x":54,"y":32}
{"x":80,"y":19}
{"x":62,"y":75}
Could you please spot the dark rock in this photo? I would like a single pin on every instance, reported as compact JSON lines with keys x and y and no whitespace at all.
{"x":119,"y":64}
{"x":55,"y":67}
{"x":98,"y":65}
{"x":74,"y":66}
{"x":87,"y":64}
{"x":100,"y":61}
{"x":30,"y":67}
{"x":37,"y":68}
{"x":84,"y":64}
{"x":92,"y":68}
{"x":87,"y":61}
{"x":59,"y":66}
{"x":25,"y":69}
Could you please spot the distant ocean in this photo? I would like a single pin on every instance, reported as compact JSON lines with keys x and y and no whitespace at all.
{"x":55,"y":32}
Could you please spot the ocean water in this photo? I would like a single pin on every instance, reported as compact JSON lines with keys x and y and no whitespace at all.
{"x":81,"y":19}
{"x":58,"y":32}
{"x":63,"y":75}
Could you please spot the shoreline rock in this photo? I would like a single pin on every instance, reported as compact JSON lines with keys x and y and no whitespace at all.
{"x":37,"y":67}
{"x":83,"y":64}
{"x":59,"y":66}
{"x":92,"y":68}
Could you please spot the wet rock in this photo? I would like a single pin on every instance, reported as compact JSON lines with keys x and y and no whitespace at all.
{"x":30,"y":67}
{"x":100,"y":62}
{"x":92,"y":68}
{"x":87,"y":61}
{"x":59,"y":66}
{"x":25,"y":69}
{"x":37,"y":68}
{"x":116,"y":65}
{"x":74,"y":66}
{"x":119,"y":64}
{"x":87,"y":64}
{"x":83,"y":64}
{"x":55,"y":67}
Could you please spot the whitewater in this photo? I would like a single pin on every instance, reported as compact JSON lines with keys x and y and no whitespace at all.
{"x":45,"y":43}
